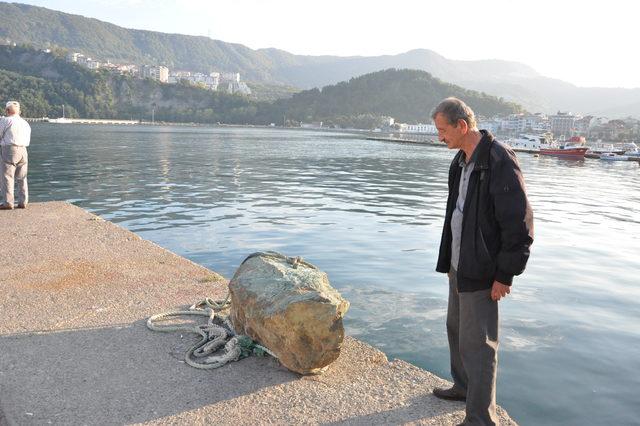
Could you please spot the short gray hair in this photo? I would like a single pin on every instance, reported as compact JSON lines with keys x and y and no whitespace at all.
{"x":13,"y":107}
{"x":453,"y":109}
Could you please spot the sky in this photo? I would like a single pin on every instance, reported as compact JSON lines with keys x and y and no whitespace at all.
{"x":590,"y":44}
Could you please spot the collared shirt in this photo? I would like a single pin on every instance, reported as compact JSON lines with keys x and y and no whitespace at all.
{"x":456,"y":218}
{"x":14,"y":130}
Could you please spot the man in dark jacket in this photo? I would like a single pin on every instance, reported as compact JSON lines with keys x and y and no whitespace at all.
{"x":488,"y":230}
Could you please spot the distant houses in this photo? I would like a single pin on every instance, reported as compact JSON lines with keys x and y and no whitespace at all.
{"x":228,"y":82}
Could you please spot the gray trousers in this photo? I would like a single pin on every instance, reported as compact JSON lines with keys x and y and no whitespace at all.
{"x":472,"y":329}
{"x":14,"y":167}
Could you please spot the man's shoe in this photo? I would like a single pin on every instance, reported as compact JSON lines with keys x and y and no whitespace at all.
{"x":452,"y":394}
{"x":6,"y":207}
{"x":22,"y":206}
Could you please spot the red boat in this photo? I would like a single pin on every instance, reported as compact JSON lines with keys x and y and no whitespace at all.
{"x":568,"y":150}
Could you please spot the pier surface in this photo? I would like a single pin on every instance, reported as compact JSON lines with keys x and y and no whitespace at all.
{"x":74,"y":348}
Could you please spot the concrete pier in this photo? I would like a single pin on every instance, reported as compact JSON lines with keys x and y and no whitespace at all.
{"x":74,"y":349}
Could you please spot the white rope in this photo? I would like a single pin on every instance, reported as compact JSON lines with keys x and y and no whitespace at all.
{"x":213,"y":336}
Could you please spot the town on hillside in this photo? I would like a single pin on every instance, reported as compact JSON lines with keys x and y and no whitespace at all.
{"x":224,"y":81}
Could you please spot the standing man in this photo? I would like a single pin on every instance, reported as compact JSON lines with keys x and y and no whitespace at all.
{"x":488,"y":230}
{"x":15,"y":135}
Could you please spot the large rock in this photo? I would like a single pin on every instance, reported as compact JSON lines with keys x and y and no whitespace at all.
{"x":288,"y":306}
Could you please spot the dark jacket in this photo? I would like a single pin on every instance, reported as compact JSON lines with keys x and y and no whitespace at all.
{"x":497,"y":224}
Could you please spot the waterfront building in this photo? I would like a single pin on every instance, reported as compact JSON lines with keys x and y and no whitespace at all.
{"x":491,"y":125}
{"x":419,"y":128}
{"x":582,"y":125}
{"x":312,"y":125}
{"x":563,"y":124}
{"x":514,"y":123}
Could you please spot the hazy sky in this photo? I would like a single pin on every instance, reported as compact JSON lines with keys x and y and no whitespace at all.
{"x":582,"y":42}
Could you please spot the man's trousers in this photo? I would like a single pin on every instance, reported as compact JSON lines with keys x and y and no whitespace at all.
{"x":14,"y":167}
{"x":472,"y":329}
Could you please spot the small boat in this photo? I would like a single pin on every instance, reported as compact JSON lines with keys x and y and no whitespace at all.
{"x":61,"y":120}
{"x":632,"y":150}
{"x":612,"y":156}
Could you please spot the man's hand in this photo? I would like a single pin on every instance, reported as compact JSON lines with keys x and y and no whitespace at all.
{"x":499,"y":290}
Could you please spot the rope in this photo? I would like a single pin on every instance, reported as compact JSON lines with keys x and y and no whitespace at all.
{"x":213,"y":336}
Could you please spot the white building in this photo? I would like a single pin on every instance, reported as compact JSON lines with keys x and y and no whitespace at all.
{"x":491,"y":125}
{"x":429,"y":129}
{"x":210,"y":81}
{"x":92,"y":64}
{"x":230,"y":76}
{"x":73,"y":56}
{"x":563,"y":124}
{"x":155,"y":72}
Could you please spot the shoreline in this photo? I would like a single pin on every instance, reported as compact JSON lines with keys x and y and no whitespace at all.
{"x":76,"y":348}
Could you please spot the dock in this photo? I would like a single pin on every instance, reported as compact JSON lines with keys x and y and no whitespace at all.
{"x":76,"y":293}
{"x":435,"y":143}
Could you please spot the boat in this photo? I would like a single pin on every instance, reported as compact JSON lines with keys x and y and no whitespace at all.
{"x":632,"y":151}
{"x":601,"y":148}
{"x":528,"y":143}
{"x":566,"y":149}
{"x":612,"y":156}
{"x":60,"y":120}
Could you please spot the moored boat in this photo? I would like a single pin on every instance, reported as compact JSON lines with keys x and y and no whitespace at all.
{"x":612,"y":156}
{"x":529,"y":143}
{"x":60,"y":120}
{"x":564,"y":150}
{"x":632,"y":150}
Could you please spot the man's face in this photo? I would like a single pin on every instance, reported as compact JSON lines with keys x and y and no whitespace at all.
{"x":449,"y":134}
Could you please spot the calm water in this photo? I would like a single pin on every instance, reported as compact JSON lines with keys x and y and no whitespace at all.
{"x":370,"y":214}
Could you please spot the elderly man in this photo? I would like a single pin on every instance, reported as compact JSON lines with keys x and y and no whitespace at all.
{"x":15,"y":135}
{"x":487,"y":233}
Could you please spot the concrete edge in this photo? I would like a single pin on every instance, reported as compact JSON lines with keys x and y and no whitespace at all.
{"x":111,"y":223}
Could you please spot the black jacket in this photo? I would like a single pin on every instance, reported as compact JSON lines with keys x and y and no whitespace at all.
{"x":497,"y":224}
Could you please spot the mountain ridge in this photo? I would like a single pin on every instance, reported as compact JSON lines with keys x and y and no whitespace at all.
{"x":513,"y":81}
{"x":43,"y":82}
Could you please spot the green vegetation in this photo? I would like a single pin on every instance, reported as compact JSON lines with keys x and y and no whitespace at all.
{"x":46,"y":28}
{"x":43,"y":82}
{"x":362,"y":102}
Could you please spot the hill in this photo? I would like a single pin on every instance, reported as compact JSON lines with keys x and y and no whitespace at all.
{"x":269,"y":68}
{"x":43,"y":82}
{"x":363,"y":102}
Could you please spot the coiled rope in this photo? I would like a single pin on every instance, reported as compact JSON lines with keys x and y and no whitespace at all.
{"x":213,"y":336}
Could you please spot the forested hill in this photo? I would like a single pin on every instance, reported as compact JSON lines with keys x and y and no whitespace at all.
{"x":407,"y":95}
{"x":42,"y":27}
{"x":43,"y":82}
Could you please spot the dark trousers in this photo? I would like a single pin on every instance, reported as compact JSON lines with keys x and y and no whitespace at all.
{"x":472,"y":329}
